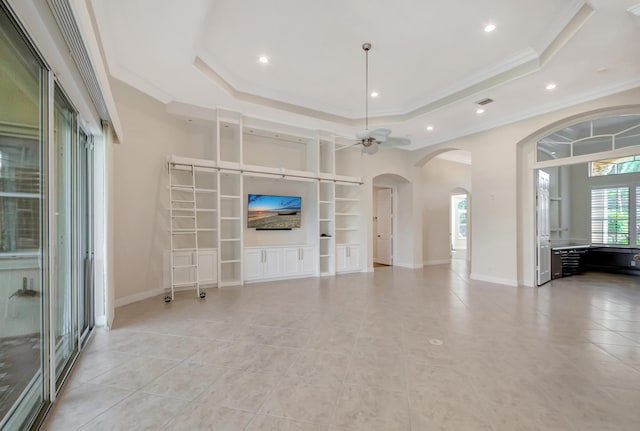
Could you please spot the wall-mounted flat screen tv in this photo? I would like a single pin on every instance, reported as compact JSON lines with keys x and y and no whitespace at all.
{"x":274,"y":212}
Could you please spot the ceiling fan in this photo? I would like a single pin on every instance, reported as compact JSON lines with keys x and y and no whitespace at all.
{"x":371,"y":140}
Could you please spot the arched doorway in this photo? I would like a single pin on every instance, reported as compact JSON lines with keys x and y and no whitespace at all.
{"x":446,"y":212}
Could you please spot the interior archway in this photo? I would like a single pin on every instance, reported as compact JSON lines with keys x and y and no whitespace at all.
{"x":447,"y":231}
{"x":571,"y":224}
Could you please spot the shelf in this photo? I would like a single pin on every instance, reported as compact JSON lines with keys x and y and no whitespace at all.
{"x":206,"y":190}
{"x":182,"y":202}
{"x":326,"y":237}
{"x":230,"y":261}
{"x":347,"y":214}
{"x":229,"y":239}
{"x":326,"y":219}
{"x":184,"y":266}
{"x":206,"y":229}
{"x":206,"y":210}
{"x":184,"y":249}
{"x":325,"y":255}
{"x":183,"y":216}
{"x":555,"y":199}
{"x":325,"y":202}
{"x":229,"y":197}
{"x":229,"y":218}
{"x":348,"y":199}
{"x":185,"y":188}
{"x":347,"y":228}
{"x":183,"y":232}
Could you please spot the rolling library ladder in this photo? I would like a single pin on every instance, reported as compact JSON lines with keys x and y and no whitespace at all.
{"x":183,"y":229}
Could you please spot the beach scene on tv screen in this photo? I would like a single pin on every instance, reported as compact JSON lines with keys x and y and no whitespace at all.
{"x":274,"y":212}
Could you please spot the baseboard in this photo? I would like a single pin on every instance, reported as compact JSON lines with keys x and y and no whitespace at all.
{"x":409,"y":265}
{"x":495,"y":280}
{"x":369,"y":269}
{"x":437,"y":262}
{"x":130,"y":299}
{"x":101,"y":320}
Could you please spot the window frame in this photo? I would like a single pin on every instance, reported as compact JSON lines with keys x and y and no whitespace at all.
{"x":632,"y":217}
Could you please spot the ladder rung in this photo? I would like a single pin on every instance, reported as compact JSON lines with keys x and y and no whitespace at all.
{"x":186,"y":283}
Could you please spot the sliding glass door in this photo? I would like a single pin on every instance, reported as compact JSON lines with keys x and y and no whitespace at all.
{"x":64,"y":298}
{"x":46,"y":231}
{"x":85,"y":215}
{"x":23,"y":221}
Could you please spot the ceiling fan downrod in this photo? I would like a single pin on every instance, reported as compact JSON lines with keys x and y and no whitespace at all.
{"x":366,"y":47}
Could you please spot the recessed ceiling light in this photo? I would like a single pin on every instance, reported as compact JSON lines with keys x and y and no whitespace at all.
{"x":489,"y":28}
{"x":374,"y":94}
{"x":602,"y":69}
{"x":479,"y":111}
{"x":429,"y":128}
{"x":551,"y":86}
{"x":263,"y":59}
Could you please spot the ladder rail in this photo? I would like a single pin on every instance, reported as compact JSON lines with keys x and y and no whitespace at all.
{"x":195,"y":226}
{"x":171,"y":229}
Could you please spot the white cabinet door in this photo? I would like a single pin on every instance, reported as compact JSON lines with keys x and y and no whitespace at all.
{"x":253,"y":263}
{"x":353,"y":258}
{"x":308,"y":260}
{"x":291,"y":261}
{"x":272,"y":262}
{"x":341,"y":258}
{"x":208,"y":266}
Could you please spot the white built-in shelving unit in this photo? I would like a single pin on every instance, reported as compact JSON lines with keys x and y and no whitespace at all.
{"x":347,"y":216}
{"x":256,"y":156}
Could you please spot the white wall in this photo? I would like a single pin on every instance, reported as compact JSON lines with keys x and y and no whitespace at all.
{"x":141,"y":188}
{"x":440,"y":178}
{"x":409,"y":216}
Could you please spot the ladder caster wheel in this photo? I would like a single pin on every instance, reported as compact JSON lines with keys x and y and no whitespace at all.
{"x":202,"y":295}
{"x":167,"y":299}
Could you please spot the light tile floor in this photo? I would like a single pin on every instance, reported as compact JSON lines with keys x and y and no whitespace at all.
{"x":362,"y":352}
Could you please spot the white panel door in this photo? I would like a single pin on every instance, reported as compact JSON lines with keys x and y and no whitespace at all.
{"x":543,"y":229}
{"x":253,"y":263}
{"x":353,"y":257}
{"x":308,"y":262}
{"x":208,"y":266}
{"x":384,"y":238}
{"x":273,"y":262}
{"x":341,"y":258}
{"x":291,"y":261}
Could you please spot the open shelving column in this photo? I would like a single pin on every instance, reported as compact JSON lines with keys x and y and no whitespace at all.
{"x":347,"y":226}
{"x":326,"y":207}
{"x":230,"y":199}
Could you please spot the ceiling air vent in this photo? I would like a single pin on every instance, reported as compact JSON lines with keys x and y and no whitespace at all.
{"x":484,"y":101}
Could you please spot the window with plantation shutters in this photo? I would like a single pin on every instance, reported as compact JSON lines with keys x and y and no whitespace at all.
{"x":610,"y":217}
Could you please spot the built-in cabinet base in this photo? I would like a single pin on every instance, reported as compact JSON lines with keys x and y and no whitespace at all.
{"x":276,"y":263}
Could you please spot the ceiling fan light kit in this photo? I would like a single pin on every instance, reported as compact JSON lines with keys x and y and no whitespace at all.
{"x":371,"y":140}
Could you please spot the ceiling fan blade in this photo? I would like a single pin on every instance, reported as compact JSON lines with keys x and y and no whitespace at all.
{"x":396,"y":142}
{"x":371,"y":150}
{"x":380,"y":135}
